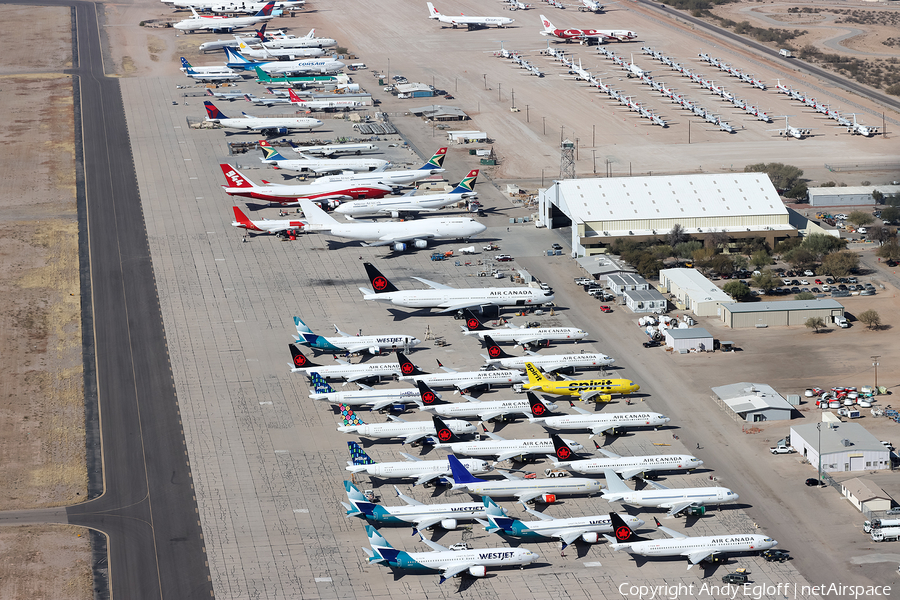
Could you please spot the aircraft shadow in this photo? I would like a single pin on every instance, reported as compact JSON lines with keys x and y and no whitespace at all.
{"x":400,"y":315}
{"x":581,"y":550}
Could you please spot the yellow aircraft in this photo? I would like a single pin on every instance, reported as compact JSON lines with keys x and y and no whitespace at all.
{"x":599,"y":390}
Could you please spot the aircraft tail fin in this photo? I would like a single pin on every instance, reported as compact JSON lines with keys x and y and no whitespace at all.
{"x":445,"y":435}
{"x":266,"y":11}
{"x":235,"y":178}
{"x":473,"y":323}
{"x":235,"y":56}
{"x":262,"y":75}
{"x":315,"y":215}
{"x":428,"y":396}
{"x":561,"y":450}
{"x":614,"y":484}
{"x":358,"y":455}
{"x":261,"y":33}
{"x":548,"y":26}
{"x":380,"y":283}
{"x":241,"y":220}
{"x":301,"y":326}
{"x":269,"y":152}
{"x":320,"y":386}
{"x":623,"y":533}
{"x":538,"y":408}
{"x":460,"y":474}
{"x":494,"y":351}
{"x":349,"y":417}
{"x":294,"y":97}
{"x":212,"y":112}
{"x":407,"y":368}
{"x":299,"y":360}
{"x":187,"y":66}
{"x":534,"y":375}
{"x":498,"y":521}
{"x":436,"y":161}
{"x":467,"y":185}
{"x":432,"y":11}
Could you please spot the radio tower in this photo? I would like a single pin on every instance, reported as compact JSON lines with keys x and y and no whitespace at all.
{"x":567,"y":160}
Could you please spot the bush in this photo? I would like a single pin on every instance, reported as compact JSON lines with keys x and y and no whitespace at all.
{"x":870,"y":319}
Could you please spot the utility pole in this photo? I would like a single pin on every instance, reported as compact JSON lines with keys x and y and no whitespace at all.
{"x":875,"y":364}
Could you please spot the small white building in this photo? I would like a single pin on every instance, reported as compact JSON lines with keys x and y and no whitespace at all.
{"x":696,"y":338}
{"x":601,"y":266}
{"x":754,"y":402}
{"x":693,"y":291}
{"x":844,"y":447}
{"x":849,"y":196}
{"x":865,"y":495}
{"x":466,"y":137}
{"x":619,"y":283}
{"x":645,"y":301}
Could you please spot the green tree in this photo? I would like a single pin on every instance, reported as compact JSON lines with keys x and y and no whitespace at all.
{"x":805,"y":296}
{"x":765,"y":280}
{"x":716,"y":239}
{"x":676,"y":235}
{"x":860,"y":218}
{"x":722,"y":264}
{"x":702,"y":258}
{"x":870,"y":318}
{"x":816,"y":323}
{"x":890,"y":250}
{"x":891,"y":214}
{"x":751,"y":245}
{"x":661,"y":251}
{"x":784,"y":177}
{"x":878,"y":197}
{"x":736,"y":289}
{"x":820,"y":244}
{"x":787,"y":244}
{"x":800,"y":258}
{"x":686,"y":250}
{"x":739,"y":261}
{"x":760,"y":259}
{"x":840,"y":264}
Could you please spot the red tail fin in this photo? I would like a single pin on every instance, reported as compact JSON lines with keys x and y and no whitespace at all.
{"x":294,"y":97}
{"x":241,"y":218}
{"x":234,"y":177}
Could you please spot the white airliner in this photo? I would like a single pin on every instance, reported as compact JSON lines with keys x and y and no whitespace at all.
{"x":334,"y":149}
{"x":219,"y":23}
{"x":251,"y":7}
{"x":469,"y":22}
{"x":626,"y":466}
{"x":409,"y":431}
{"x":267,"y":53}
{"x":475,"y":408}
{"x":505,"y":449}
{"x":421,"y":516}
{"x":211,"y":74}
{"x":375,"y":399}
{"x":448,"y":298}
{"x":546,"y":362}
{"x":596,"y":423}
{"x":318,"y":165}
{"x":586,"y":528}
{"x":345,"y":370}
{"x":676,"y":500}
{"x":353,"y":344}
{"x":307,"y":41}
{"x":308,"y":66}
{"x":322,"y":104}
{"x":585,"y":35}
{"x":467,"y":380}
{"x":695,"y":549}
{"x":238,"y":185}
{"x":410,"y":203}
{"x":424,"y":471}
{"x":522,"y":336}
{"x":860,"y":129}
{"x":449,"y":563}
{"x":266,"y":125}
{"x":396,"y":234}
{"x":433,"y":166}
{"x":525,"y":490}
{"x":266,"y":225}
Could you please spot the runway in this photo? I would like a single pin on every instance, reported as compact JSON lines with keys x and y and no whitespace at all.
{"x":147,"y":508}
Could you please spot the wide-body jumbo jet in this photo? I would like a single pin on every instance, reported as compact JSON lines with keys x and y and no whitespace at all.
{"x":467,"y":21}
{"x":585,"y":35}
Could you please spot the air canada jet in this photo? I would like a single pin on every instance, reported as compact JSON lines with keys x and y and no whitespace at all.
{"x":448,"y":298}
{"x":470,"y":22}
{"x":695,"y":549}
{"x":477,"y":409}
{"x":546,"y":362}
{"x":597,"y":423}
{"x":347,"y":371}
{"x":675,"y":499}
{"x":626,"y":466}
{"x":522,"y":336}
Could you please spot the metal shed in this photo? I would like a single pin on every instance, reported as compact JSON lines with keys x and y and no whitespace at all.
{"x":693,"y":291}
{"x":642,"y":301}
{"x":754,"y":402}
{"x":865,"y":495}
{"x":844,"y":447}
{"x":849,"y":196}
{"x":696,"y":338}
{"x":621,"y":282}
{"x":790,"y":313}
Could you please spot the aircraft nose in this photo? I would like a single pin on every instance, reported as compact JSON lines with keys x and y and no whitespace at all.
{"x":698,"y":462}
{"x":665,"y":419}
{"x":548,"y":297}
{"x":733,"y":496}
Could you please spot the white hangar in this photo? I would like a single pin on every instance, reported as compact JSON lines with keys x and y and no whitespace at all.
{"x":601,"y":210}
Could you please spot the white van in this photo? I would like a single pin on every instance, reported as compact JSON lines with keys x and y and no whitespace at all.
{"x":841,"y":322}
{"x":357,"y":67}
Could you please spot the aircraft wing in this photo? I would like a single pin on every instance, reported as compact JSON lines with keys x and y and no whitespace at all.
{"x":508,"y":455}
{"x":415,"y":437}
{"x":461,"y":305}
{"x":522,"y":340}
{"x":494,"y":436}
{"x":540,"y":515}
{"x":408,"y":500}
{"x":608,"y":454}
{"x":381,"y":404}
{"x":385,"y":241}
{"x":436,"y":286}
{"x":358,"y":376}
{"x":425,"y":523}
{"x":465,"y":384}
{"x":529,"y":495}
{"x":570,"y":535}
{"x":676,"y":508}
{"x":598,"y":429}
{"x":410,"y":457}
{"x":434,"y":545}
{"x":341,"y":333}
{"x":586,"y":397}
{"x":678,"y":536}
{"x":354,"y":348}
{"x":698,"y":555}
{"x":493,"y":414}
{"x":658,"y":486}
{"x":629,"y":473}
{"x":455,"y":570}
{"x":426,"y":477}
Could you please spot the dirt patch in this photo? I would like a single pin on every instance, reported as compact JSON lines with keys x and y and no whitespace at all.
{"x":26,"y":24}
{"x":35,"y":562}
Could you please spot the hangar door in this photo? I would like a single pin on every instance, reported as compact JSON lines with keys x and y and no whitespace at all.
{"x":857,"y":463}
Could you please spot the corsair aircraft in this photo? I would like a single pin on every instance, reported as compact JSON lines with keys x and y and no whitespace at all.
{"x":448,"y":298}
{"x":676,"y":500}
{"x":424,"y":471}
{"x":695,"y":549}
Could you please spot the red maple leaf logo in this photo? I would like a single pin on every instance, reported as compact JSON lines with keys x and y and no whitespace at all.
{"x":623,"y":533}
{"x":428,"y":397}
{"x":472,"y":323}
{"x":407,"y":368}
{"x":540,"y":409}
{"x":379,"y":283}
{"x":563,"y":453}
{"x":494,"y":351}
{"x":444,"y":434}
{"x":299,"y":360}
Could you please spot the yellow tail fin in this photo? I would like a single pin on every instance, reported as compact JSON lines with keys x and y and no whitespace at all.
{"x":534,"y":376}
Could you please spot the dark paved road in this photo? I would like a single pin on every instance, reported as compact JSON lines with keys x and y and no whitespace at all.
{"x":147,"y":508}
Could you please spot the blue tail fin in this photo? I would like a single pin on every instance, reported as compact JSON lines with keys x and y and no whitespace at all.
{"x":467,"y":185}
{"x":212,"y":112}
{"x":320,"y":385}
{"x":234,"y":56}
{"x":358,"y":455}
{"x":266,"y":10}
{"x":436,"y":161}
{"x":261,"y":32}
{"x":187,"y":66}
{"x":460,"y":473}
{"x":301,"y":326}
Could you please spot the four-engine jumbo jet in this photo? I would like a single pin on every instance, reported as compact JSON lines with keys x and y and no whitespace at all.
{"x":449,"y":298}
{"x":375,"y":399}
{"x":354,"y":344}
{"x":599,"y":390}
{"x":586,"y":35}
{"x":449,"y":563}
{"x":397,"y":234}
{"x":265,"y":226}
{"x":596,"y":423}
{"x":525,"y":490}
{"x":318,"y":165}
{"x":469,"y":22}
{"x":546,"y":362}
{"x":335,"y":149}
{"x":676,"y":500}
{"x":475,"y":408}
{"x":505,"y":449}
{"x":269,"y":126}
{"x":417,"y":514}
{"x":345,"y":370}
{"x":219,"y":23}
{"x":409,"y":203}
{"x":587,"y":528}
{"x":238,"y":185}
{"x":695,"y":549}
{"x":424,"y":471}
{"x":409,"y":431}
{"x":432,"y":166}
{"x":522,"y":336}
{"x":626,"y":466}
{"x":464,"y":380}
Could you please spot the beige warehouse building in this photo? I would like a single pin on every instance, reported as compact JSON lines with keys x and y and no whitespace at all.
{"x":601,"y":210}
{"x":693,"y":292}
{"x":789,"y":313}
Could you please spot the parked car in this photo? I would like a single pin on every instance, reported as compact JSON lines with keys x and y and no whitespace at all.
{"x":503,"y":258}
{"x":781,"y":450}
{"x":808,"y":273}
{"x":775,"y":555}
{"x":812,"y":482}
{"x":604,"y":309}
{"x":556,"y":247}
{"x":735,"y":578}
{"x":652,"y":343}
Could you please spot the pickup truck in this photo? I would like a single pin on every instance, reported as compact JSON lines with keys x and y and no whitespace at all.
{"x":781,"y":450}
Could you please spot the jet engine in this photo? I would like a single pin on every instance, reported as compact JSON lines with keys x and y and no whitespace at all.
{"x":547,"y":498}
{"x":590,"y":537}
{"x":374,"y":350}
{"x":399,"y":247}
{"x":420,"y":244}
{"x":480,"y":571}
{"x":449,"y":524}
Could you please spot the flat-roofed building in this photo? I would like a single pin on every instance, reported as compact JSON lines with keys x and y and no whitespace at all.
{"x":842,"y":446}
{"x":693,"y":291}
{"x":787,"y":313}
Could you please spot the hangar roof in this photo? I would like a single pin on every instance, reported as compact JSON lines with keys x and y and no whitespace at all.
{"x":819,"y":304}
{"x":665,"y":197}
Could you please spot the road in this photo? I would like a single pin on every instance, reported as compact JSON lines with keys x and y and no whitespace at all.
{"x":146,"y":509}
